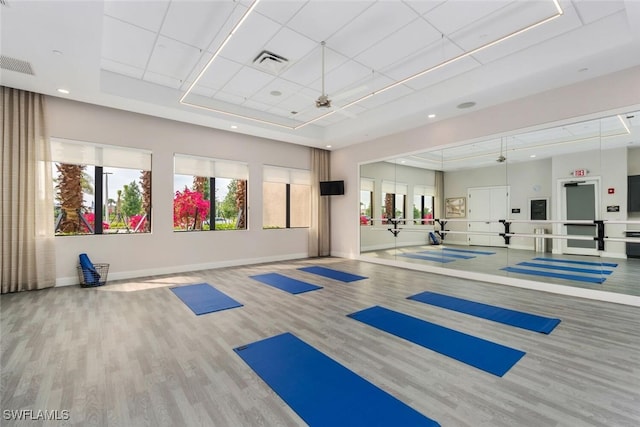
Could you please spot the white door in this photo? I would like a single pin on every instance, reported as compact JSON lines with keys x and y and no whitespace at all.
{"x":487,"y":206}
{"x":580,"y":202}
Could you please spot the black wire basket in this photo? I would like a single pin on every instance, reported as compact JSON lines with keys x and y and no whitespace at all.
{"x":91,"y":279}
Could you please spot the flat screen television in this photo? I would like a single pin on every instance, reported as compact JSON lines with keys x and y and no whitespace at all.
{"x":331,"y":188}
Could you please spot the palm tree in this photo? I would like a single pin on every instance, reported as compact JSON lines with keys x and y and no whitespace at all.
{"x":145,"y":182}
{"x":241,"y":203}
{"x":69,"y":188}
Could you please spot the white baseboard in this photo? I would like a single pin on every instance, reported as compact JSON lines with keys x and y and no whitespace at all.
{"x":387,"y":246}
{"x":122,"y":275}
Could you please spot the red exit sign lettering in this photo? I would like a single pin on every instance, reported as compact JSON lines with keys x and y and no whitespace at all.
{"x":580,"y":172}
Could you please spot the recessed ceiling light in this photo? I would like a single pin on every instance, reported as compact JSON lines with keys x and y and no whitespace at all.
{"x":276,"y":93}
{"x":467,"y":104}
{"x":234,"y":127}
{"x":328,"y":146}
{"x":65,"y":91}
{"x":431,"y":116}
{"x":532,"y":156}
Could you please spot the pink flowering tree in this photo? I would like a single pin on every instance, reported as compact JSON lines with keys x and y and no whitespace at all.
{"x":189,"y":209}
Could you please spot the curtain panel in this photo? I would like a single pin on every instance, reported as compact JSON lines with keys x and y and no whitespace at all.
{"x":320,"y":228}
{"x":27,"y":252}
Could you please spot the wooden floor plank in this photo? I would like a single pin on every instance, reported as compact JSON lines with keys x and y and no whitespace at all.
{"x":132,"y":354}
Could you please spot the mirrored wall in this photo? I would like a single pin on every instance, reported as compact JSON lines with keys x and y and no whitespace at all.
{"x":559,"y":205}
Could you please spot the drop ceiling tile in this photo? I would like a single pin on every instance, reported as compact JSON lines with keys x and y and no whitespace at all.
{"x":125,"y":43}
{"x":423,"y":6}
{"x":309,"y":68}
{"x":218,"y":73}
{"x":319,"y":19}
{"x":228,"y":97}
{"x":385,"y":97}
{"x":286,"y":89}
{"x":300,"y":101}
{"x":511,"y":19}
{"x":430,"y":56}
{"x":172,"y":58}
{"x":255,"y":105}
{"x":203,"y":91}
{"x":144,"y":14}
{"x":196,"y":22}
{"x":162,"y":80}
{"x":250,"y":39}
{"x":402,"y":43}
{"x":547,"y":34}
{"x":125,"y":70}
{"x":442,"y":74}
{"x":280,"y":11}
{"x":290,"y":45}
{"x":373,"y":25}
{"x":451,"y":16}
{"x":591,"y":11}
{"x":349,"y":74}
{"x":247,"y":81}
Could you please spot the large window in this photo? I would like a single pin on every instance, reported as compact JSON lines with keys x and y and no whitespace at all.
{"x":286,"y":198}
{"x":100,"y":189}
{"x":422,"y":205}
{"x":196,"y":207}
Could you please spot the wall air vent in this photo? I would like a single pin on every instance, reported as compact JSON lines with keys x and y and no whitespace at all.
{"x":270,"y":62}
{"x":17,"y":65}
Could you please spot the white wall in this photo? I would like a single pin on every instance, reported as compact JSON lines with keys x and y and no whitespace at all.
{"x":588,"y":98}
{"x":162,"y":250}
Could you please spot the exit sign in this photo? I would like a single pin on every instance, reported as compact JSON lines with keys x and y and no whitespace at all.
{"x":580,"y":172}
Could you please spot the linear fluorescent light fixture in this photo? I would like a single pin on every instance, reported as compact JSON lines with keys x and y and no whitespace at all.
{"x":559,"y":12}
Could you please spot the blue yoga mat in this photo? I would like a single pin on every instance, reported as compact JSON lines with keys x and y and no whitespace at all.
{"x":285,"y":283}
{"x":494,"y":358}
{"x":204,"y":298}
{"x":469,"y":251}
{"x":322,"y":391}
{"x":516,"y":318}
{"x":565,"y":268}
{"x":332,"y":274}
{"x":449,"y":255}
{"x":428,"y":258}
{"x":574,"y":277}
{"x":571,"y":261}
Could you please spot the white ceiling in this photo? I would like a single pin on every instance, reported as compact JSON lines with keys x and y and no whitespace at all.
{"x":144,"y":56}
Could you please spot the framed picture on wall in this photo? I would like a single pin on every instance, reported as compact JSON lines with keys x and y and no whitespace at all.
{"x":455,"y":207}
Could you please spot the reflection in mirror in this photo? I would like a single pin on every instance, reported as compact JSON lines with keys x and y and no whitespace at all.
{"x":559,"y":206}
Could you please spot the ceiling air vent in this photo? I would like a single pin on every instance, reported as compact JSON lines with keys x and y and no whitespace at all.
{"x":17,"y":65}
{"x":270,"y":62}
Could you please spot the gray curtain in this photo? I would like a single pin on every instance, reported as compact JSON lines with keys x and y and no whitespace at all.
{"x":438,"y":196}
{"x":27,"y":253}
{"x":320,"y":229}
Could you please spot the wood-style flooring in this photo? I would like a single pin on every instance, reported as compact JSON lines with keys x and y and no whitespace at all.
{"x":132,"y":354}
